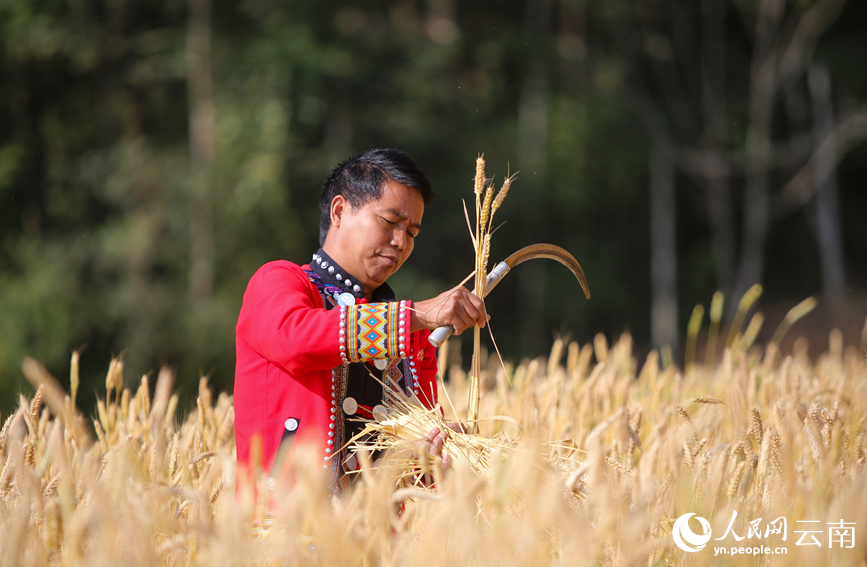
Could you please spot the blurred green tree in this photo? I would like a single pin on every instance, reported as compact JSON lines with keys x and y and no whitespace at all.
{"x":153,"y":154}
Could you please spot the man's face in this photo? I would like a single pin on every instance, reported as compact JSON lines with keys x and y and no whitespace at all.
{"x":373,"y":241}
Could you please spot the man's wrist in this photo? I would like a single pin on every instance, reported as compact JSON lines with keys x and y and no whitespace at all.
{"x":417,"y":322}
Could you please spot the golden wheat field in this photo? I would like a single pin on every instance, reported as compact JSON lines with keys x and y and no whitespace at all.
{"x":609,"y":457}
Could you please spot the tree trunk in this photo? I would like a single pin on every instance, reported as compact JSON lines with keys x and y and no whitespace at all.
{"x":532,"y":158}
{"x":758,"y":148}
{"x":714,"y":122}
{"x":663,"y":248}
{"x":201,"y":100}
{"x":828,"y":225}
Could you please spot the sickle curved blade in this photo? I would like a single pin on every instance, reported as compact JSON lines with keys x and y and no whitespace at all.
{"x":552,"y":252}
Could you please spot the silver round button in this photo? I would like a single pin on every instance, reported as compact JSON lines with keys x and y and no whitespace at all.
{"x":380,"y":413}
{"x":380,"y":363}
{"x":350,"y":464}
{"x":346,"y":299}
{"x":291,"y":424}
{"x":350,"y":406}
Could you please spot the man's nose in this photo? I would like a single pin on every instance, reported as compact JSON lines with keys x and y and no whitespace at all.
{"x":398,"y":239}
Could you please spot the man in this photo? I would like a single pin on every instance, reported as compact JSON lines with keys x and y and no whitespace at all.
{"x":315,"y":342}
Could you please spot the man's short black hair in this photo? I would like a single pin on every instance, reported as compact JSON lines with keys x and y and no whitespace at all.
{"x":360,"y":179}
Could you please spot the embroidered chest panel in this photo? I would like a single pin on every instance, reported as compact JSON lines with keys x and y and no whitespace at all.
{"x":367,"y":336}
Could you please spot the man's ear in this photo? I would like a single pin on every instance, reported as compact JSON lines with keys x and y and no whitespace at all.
{"x":339,"y":207}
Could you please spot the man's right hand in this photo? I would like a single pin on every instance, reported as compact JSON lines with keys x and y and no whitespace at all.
{"x":457,"y":307}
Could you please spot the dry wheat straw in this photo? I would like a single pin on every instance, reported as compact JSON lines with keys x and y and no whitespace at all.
{"x":501,"y":194}
{"x":736,"y":479}
{"x":5,"y":432}
{"x":67,"y":499}
{"x":758,"y":427}
{"x":36,"y":404}
{"x":706,"y":400}
{"x":482,"y":240}
{"x":486,"y":208}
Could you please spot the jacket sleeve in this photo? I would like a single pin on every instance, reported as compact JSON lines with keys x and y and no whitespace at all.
{"x":282,"y":319}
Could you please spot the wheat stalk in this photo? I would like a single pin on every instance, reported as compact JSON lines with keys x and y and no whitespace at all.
{"x":486,"y":206}
{"x":501,"y":194}
{"x":36,"y":405}
{"x":486,"y":209}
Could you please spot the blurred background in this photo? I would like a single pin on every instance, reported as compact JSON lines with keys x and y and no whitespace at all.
{"x":155,"y":153}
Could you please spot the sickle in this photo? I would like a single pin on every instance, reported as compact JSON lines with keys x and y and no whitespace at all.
{"x":550,"y":251}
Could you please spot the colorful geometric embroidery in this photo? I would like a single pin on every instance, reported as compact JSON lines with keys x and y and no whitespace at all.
{"x":325,"y":289}
{"x":262,"y":530}
{"x":372,"y":331}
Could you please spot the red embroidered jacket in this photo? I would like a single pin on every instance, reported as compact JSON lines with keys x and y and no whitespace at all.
{"x":292,"y":360}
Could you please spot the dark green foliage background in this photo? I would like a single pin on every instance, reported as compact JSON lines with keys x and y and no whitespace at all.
{"x":95,"y":171}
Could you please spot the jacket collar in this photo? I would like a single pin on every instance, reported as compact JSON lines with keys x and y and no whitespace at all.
{"x":333,"y":275}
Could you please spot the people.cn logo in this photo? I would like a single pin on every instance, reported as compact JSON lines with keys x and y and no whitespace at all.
{"x":685,"y":538}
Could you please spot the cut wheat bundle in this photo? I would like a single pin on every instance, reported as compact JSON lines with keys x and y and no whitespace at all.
{"x":397,"y":433}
